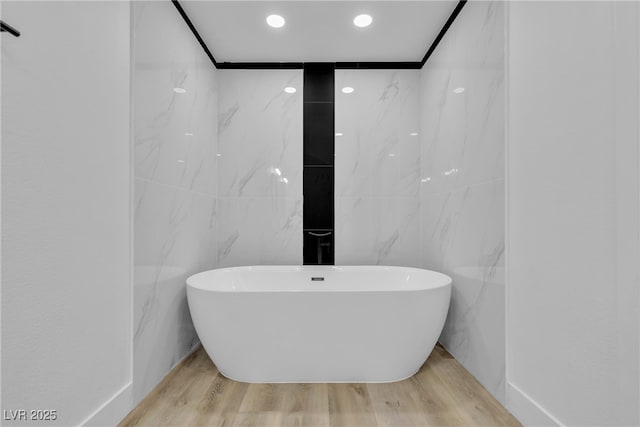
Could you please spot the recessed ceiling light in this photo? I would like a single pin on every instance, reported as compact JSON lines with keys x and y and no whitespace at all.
{"x":413,"y":134}
{"x":188,"y":134}
{"x":275,"y":21}
{"x":339,"y":134}
{"x":347,"y":89}
{"x":458,"y":90}
{"x":180,"y":161}
{"x":179,"y":90}
{"x":362,"y":21}
{"x":290,"y":89}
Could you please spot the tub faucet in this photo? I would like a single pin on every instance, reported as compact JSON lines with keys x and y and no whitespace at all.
{"x":321,"y":244}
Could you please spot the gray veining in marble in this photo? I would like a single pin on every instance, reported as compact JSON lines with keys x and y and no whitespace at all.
{"x":259,"y":167}
{"x":259,"y":132}
{"x":462,"y":186}
{"x":175,"y":186}
{"x":377,"y":167}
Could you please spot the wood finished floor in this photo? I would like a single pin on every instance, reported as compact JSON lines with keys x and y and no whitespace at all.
{"x":442,"y":393}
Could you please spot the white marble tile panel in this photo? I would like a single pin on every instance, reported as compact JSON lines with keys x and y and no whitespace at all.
{"x":175,"y":237}
{"x":259,"y":231}
{"x":259,"y":133}
{"x":175,"y":186}
{"x":463,"y":131}
{"x":462,"y":186}
{"x":474,"y":330}
{"x":463,"y":236}
{"x":379,"y":150}
{"x":377,"y":231}
{"x":175,"y":133}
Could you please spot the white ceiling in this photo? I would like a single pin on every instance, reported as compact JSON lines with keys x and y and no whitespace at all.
{"x":318,"y":31}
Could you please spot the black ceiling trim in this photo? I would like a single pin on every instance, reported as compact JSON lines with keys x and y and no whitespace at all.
{"x":339,"y":65}
{"x":259,"y":65}
{"x":195,"y":32}
{"x":443,"y":31}
{"x":377,"y":65}
{"x":300,"y":65}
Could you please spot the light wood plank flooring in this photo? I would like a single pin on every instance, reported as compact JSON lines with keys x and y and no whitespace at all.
{"x":442,"y":393}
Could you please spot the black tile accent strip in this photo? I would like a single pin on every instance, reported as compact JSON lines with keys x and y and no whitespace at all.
{"x":318,"y":125}
{"x":318,"y":157}
{"x":319,"y":82}
{"x":317,"y":190}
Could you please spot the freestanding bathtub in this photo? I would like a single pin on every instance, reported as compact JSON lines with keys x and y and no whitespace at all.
{"x":274,"y":324}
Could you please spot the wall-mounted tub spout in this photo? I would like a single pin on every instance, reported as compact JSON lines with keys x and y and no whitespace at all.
{"x":9,"y":29}
{"x":321,"y":243}
{"x":318,"y":247}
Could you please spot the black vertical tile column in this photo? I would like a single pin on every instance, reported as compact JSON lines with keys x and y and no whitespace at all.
{"x":318,"y":147}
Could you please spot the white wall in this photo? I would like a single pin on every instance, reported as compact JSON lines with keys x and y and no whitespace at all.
{"x":377,"y":167}
{"x":66,"y":302}
{"x":573,"y":216}
{"x":175,"y":150}
{"x":259,"y":131}
{"x":462,"y":186}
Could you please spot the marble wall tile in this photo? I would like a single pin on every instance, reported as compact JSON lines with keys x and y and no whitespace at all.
{"x":175,"y":133}
{"x":175,"y":236}
{"x":259,"y":231}
{"x":259,"y":133}
{"x":378,"y":153}
{"x":463,"y":236}
{"x":377,"y":167}
{"x":175,"y":186}
{"x":462,"y":186}
{"x":259,"y":167}
{"x":463,"y":131}
{"x":478,"y":209}
{"x":377,"y":230}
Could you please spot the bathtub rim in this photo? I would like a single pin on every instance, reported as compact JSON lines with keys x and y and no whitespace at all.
{"x":438,"y":280}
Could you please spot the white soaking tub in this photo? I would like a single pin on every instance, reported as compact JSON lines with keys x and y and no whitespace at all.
{"x":274,"y":324}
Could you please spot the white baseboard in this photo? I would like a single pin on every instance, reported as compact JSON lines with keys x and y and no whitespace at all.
{"x":120,"y":404}
{"x":529,"y":412}
{"x":113,"y":410}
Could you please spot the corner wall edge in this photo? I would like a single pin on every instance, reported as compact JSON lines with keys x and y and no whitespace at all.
{"x":527,"y":410}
